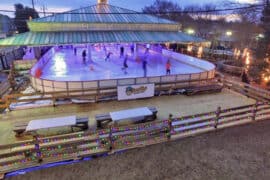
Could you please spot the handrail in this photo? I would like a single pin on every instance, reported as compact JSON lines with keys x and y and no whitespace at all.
{"x":248,"y":90}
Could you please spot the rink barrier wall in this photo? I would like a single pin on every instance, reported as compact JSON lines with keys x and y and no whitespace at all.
{"x":49,"y":86}
{"x":102,"y":90}
{"x":42,"y":62}
{"x":189,"y":60}
{"x":45,"y":85}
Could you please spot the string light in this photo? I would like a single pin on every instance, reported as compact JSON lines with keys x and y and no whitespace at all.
{"x":143,"y":134}
{"x":189,"y":48}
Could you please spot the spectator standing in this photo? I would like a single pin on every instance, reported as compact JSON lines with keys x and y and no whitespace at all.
{"x":244,"y":77}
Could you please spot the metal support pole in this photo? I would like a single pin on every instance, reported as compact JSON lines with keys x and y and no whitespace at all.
{"x":33,"y":4}
{"x":37,"y":149}
{"x":110,"y":137}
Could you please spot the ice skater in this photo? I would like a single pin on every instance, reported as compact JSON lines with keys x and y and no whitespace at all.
{"x":105,"y":49}
{"x":144,"y":63}
{"x":84,"y":55}
{"x":108,"y":56}
{"x":147,"y":48}
{"x":168,"y":67}
{"x":125,"y":66}
{"x":122,"y":50}
{"x":132,"y":49}
{"x":75,"y":51}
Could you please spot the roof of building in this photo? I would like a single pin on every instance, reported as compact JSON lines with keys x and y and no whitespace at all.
{"x":57,"y":38}
{"x":101,"y":23}
{"x":103,"y":13}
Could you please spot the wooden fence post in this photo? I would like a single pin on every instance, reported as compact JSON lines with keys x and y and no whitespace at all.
{"x":54,"y":100}
{"x":218,"y":111}
{"x":37,"y":148}
{"x":7,"y":104}
{"x":169,"y":127}
{"x":110,"y":137}
{"x":254,"y":111}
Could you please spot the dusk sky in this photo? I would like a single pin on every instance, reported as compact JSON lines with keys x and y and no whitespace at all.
{"x":61,"y":5}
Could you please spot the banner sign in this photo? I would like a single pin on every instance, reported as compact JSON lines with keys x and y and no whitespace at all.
{"x":135,"y":91}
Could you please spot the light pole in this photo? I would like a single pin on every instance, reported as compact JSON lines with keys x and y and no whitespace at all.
{"x":33,"y":4}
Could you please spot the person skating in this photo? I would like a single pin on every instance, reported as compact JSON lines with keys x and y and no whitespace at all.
{"x":108,"y":56}
{"x":75,"y":51}
{"x":125,"y":66}
{"x":132,"y":49}
{"x":105,"y":49}
{"x":168,"y":67}
{"x":122,"y":51}
{"x":84,"y":55}
{"x":147,"y":48}
{"x":144,"y":67}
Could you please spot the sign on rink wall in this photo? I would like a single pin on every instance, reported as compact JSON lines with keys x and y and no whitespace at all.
{"x":135,"y":91}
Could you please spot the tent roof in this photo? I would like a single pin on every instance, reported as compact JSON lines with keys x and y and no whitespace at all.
{"x":57,"y":38}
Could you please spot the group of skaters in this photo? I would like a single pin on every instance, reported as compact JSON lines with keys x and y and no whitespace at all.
{"x":125,"y":58}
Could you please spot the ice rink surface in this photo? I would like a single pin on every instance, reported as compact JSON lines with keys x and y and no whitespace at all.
{"x":66,"y":66}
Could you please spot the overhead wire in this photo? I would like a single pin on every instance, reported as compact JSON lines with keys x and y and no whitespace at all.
{"x":152,"y":13}
{"x":146,"y":13}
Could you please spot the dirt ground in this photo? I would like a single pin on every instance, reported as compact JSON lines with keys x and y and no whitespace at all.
{"x":179,"y":105}
{"x":238,"y":153}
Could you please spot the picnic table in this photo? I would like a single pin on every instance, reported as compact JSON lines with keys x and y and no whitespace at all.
{"x":35,"y":125}
{"x":136,"y":114}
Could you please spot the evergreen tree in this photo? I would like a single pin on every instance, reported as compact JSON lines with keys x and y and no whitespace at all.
{"x":22,"y":14}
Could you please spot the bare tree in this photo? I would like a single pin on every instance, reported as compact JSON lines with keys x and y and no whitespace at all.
{"x":251,"y":12}
{"x":206,"y":11}
{"x":160,"y":7}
